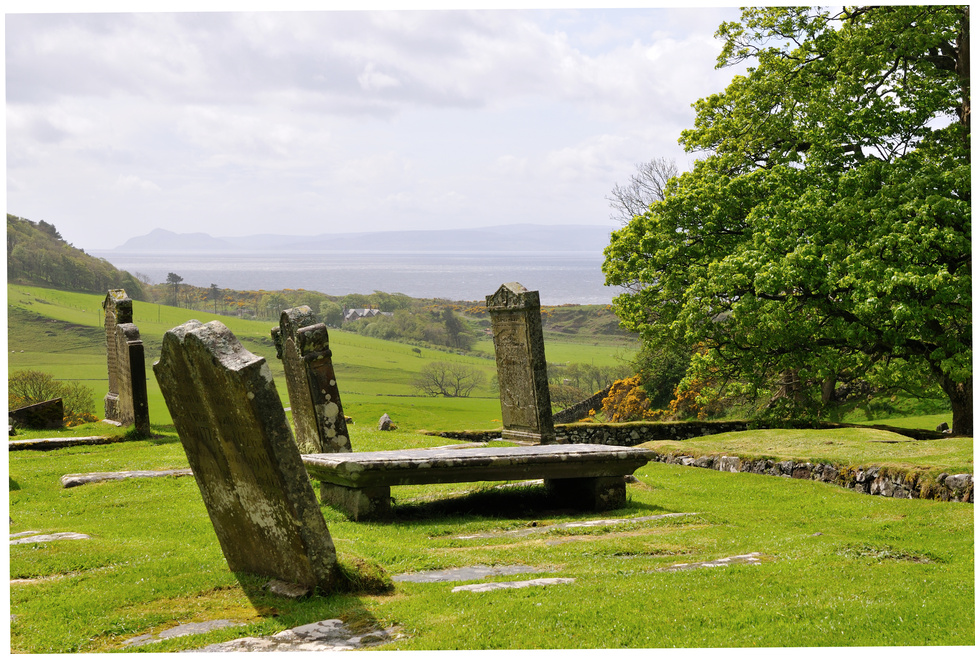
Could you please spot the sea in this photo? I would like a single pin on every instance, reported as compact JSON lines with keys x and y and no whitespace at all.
{"x":559,"y":277}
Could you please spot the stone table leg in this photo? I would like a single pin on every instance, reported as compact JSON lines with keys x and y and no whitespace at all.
{"x":601,"y":493}
{"x":358,"y":503}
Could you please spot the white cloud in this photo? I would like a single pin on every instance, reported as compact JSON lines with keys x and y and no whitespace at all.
{"x":131,"y":182}
{"x":383,"y":118}
{"x":372,"y":80}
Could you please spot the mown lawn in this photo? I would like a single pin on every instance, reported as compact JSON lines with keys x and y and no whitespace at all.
{"x":839,"y":568}
{"x":854,"y":446}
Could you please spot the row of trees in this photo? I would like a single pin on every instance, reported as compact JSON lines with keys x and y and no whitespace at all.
{"x":434,"y":326}
{"x":38,"y":255}
{"x":821,"y":244}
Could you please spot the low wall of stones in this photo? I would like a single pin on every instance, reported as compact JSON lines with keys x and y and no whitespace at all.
{"x":613,"y":434}
{"x":899,"y":484}
{"x":631,"y":434}
{"x":581,"y":410}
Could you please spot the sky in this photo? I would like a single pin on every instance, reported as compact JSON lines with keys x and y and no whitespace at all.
{"x":301,"y":122}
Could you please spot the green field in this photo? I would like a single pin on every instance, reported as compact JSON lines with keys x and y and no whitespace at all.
{"x":61,"y":333}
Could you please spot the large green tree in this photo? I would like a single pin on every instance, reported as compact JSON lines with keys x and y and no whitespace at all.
{"x":823,"y":235}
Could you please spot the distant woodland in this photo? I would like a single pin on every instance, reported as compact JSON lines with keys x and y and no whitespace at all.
{"x":38,"y":255}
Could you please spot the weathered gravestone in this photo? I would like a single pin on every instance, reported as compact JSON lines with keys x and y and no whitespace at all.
{"x":46,"y":415}
{"x":234,"y":430}
{"x":522,"y":371}
{"x":314,"y":397}
{"x":126,"y":402}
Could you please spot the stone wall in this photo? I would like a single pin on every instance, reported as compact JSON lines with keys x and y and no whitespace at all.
{"x":900,"y":484}
{"x":631,"y":434}
{"x":581,"y":410}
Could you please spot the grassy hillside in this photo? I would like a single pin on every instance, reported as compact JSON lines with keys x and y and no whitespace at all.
{"x":62,"y":333}
{"x":38,"y":255}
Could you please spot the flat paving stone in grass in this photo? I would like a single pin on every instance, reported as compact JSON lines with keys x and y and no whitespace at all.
{"x":50,"y":443}
{"x":568,"y":525}
{"x":465,"y":573}
{"x":744,"y":559}
{"x":186,"y":629}
{"x":74,"y":480}
{"x":323,"y":636}
{"x":46,"y":537}
{"x":503,"y":585}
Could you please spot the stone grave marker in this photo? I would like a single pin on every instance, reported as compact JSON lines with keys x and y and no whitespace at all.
{"x":234,"y":431}
{"x":302,"y":344}
{"x":46,"y":415}
{"x":126,"y":402}
{"x":522,"y":371}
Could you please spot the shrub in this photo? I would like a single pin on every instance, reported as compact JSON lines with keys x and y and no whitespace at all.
{"x":627,"y":401}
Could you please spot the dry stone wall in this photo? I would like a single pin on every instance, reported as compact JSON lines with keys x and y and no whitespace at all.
{"x":900,"y":484}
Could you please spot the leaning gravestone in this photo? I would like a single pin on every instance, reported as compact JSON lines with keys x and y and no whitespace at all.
{"x":522,"y":371}
{"x":233,"y":428}
{"x":126,"y":402}
{"x":314,"y":397}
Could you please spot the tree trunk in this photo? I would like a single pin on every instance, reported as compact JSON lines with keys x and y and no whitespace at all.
{"x":961,"y":398}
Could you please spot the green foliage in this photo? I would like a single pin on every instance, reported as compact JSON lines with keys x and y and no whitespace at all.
{"x":37,"y":254}
{"x":826,"y":231}
{"x":661,"y":368}
{"x":429,"y":325}
{"x":448,"y":379}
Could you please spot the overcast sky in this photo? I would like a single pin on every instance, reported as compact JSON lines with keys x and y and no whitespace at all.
{"x":332,"y":121}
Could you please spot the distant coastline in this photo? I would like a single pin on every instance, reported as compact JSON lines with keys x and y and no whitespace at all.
{"x":504,"y":239}
{"x":560,"y":277}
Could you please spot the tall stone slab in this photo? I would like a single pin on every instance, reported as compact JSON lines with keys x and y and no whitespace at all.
{"x":126,"y":402}
{"x":234,"y":431}
{"x":118,"y":308}
{"x":522,"y":370}
{"x":303,"y":345}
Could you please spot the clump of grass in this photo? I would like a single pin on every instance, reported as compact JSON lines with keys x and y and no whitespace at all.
{"x":360,"y":576}
{"x":884,"y":553}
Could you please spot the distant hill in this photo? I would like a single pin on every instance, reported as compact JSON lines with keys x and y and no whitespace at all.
{"x":37,"y":255}
{"x":505,"y":238}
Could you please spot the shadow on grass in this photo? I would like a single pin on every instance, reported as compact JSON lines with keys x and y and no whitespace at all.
{"x":356,"y":578}
{"x":519,"y":502}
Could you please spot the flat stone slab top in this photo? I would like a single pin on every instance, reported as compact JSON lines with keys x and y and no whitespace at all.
{"x":74,"y":480}
{"x":502,"y":585}
{"x":425,"y":466}
{"x":464,"y":573}
{"x":582,"y":475}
